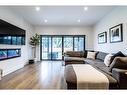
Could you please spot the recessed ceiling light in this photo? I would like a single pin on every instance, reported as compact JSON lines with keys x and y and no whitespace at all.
{"x":85,"y":8}
{"x":37,"y":8}
{"x":78,"y":20}
{"x":45,"y":20}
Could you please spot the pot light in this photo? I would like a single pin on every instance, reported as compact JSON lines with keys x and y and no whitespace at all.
{"x":45,"y":20}
{"x":37,"y":8}
{"x":78,"y":20}
{"x":85,"y":8}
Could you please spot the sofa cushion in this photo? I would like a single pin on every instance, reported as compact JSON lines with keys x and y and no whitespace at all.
{"x":107,"y":60}
{"x":105,"y":69}
{"x":89,"y":61}
{"x":94,"y":62}
{"x":119,"y":62}
{"x":101,"y":55}
{"x":85,"y":54}
{"x":98,"y":64}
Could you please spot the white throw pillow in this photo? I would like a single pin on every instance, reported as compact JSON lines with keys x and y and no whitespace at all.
{"x":91,"y":55}
{"x":107,"y":59}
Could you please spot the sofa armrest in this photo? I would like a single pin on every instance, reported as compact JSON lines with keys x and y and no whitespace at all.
{"x":121,"y":76}
{"x":1,"y":73}
{"x":65,"y":55}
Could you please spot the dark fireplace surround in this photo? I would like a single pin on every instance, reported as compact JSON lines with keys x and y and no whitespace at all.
{"x":9,"y":53}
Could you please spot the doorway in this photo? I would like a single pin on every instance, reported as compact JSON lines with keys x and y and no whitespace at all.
{"x":52,"y":47}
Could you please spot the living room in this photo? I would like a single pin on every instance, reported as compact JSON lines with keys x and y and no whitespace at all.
{"x":91,"y":25}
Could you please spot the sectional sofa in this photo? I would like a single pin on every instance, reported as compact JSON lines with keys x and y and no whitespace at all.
{"x":116,"y":72}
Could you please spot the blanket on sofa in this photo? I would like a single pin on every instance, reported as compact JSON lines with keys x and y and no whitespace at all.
{"x":90,"y":78}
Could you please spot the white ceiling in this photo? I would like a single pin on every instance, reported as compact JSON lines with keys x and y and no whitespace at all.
{"x":62,"y":15}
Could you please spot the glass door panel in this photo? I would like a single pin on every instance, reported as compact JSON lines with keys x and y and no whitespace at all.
{"x":56,"y":48}
{"x":78,"y":43}
{"x":46,"y":47}
{"x":68,"y":43}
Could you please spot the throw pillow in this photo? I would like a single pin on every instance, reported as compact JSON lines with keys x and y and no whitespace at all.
{"x":107,"y":59}
{"x":119,"y":62}
{"x":91,"y":55}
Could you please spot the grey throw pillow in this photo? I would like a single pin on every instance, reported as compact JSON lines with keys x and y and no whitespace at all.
{"x":118,"y":62}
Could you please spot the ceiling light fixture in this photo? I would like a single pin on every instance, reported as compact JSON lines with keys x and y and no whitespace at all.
{"x":45,"y":20}
{"x":37,"y":8}
{"x":78,"y":20}
{"x":85,"y":8}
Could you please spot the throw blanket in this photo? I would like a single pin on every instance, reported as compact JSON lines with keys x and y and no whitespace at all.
{"x":90,"y":78}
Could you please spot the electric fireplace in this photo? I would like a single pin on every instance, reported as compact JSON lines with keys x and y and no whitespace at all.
{"x":3,"y":54}
{"x":9,"y":53}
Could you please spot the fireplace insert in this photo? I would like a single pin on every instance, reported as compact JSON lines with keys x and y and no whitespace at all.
{"x":3,"y":54}
{"x":9,"y":53}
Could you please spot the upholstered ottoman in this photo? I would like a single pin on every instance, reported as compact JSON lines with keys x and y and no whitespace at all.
{"x":85,"y":76}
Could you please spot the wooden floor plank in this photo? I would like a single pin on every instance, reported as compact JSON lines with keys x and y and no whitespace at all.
{"x":41,"y":75}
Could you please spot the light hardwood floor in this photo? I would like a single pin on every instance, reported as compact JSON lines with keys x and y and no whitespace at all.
{"x":41,"y":75}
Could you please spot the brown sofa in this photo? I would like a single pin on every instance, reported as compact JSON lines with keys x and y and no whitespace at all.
{"x":117,"y":75}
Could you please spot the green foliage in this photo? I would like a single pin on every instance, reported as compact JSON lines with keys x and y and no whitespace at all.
{"x":35,"y":40}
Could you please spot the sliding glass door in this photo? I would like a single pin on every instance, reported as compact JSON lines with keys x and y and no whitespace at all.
{"x":68,"y":43}
{"x":56,"y":48}
{"x":46,"y":48}
{"x":79,"y":43}
{"x":53,"y":47}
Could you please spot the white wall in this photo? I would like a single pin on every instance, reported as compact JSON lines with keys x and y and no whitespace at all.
{"x":117,"y":16}
{"x":11,"y":65}
{"x":68,"y":30}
